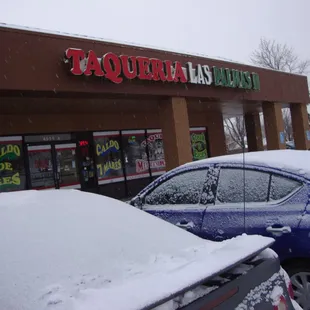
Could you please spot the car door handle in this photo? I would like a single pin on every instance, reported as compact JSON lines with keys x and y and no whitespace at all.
{"x":186,"y":225}
{"x":279,"y":230}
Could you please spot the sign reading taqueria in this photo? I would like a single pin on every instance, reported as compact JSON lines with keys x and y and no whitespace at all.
{"x":119,"y":68}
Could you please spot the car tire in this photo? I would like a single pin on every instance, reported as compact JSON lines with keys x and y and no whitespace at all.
{"x":299,"y":273}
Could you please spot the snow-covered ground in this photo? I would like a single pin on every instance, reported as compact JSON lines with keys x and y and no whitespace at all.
{"x":70,"y":250}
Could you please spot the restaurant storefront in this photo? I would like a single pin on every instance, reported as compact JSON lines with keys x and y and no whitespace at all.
{"x":115,"y":163}
{"x":96,"y":116}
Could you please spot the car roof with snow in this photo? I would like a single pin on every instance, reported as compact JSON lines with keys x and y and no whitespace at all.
{"x":71,"y":250}
{"x":293,"y":161}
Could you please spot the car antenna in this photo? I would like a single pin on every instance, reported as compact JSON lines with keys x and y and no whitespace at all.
{"x":244,"y":196}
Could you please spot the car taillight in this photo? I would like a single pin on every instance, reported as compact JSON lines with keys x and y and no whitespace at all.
{"x":288,"y":283}
{"x":282,"y":304}
{"x":290,"y":290}
{"x":216,"y":302}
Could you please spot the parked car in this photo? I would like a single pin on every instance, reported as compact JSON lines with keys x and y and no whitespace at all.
{"x":290,"y":145}
{"x":71,"y":250}
{"x":265,"y":193}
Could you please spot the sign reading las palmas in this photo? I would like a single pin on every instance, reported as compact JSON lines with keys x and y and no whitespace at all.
{"x":117,"y":68}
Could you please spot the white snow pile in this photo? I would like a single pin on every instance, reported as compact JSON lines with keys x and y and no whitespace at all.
{"x":70,"y":250}
{"x":293,"y":161}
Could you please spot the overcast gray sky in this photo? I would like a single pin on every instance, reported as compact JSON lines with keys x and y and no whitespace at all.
{"x":227,"y":29}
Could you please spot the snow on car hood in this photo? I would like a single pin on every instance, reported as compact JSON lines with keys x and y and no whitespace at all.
{"x":294,"y":161}
{"x":70,"y":250}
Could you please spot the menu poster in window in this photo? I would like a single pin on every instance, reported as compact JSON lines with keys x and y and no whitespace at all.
{"x":108,"y":157}
{"x":156,"y":153}
{"x":135,"y":156}
{"x":12,"y":171}
{"x":199,"y":143}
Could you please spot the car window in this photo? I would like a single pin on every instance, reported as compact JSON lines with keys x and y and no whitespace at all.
{"x":183,"y":188}
{"x":281,"y":187}
{"x":233,"y":182}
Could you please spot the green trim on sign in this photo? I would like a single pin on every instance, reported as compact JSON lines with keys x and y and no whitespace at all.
{"x":236,"y":78}
{"x":228,"y":78}
{"x":248,"y":80}
{"x":217,"y":76}
{"x":256,"y":81}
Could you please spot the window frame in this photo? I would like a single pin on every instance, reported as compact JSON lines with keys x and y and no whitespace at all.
{"x":168,"y":177}
{"x":208,"y":167}
{"x":240,"y":167}
{"x":288,"y":196}
{"x":269,"y":170}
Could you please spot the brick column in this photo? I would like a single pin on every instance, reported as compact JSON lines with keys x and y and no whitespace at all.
{"x":175,"y":126}
{"x":253,"y":132}
{"x":216,"y":134}
{"x":274,"y":125}
{"x":300,"y":124}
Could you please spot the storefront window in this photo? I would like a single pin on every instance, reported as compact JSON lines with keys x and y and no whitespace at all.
{"x":199,"y":143}
{"x":41,"y":167}
{"x":12,"y":170}
{"x":135,"y":156}
{"x":108,"y":157}
{"x":68,"y":176}
{"x":156,"y":153}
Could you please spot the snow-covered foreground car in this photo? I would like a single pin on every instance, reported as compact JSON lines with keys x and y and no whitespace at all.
{"x":69,"y":250}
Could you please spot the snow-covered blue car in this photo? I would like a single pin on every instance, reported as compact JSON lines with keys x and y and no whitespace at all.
{"x":266,"y":193}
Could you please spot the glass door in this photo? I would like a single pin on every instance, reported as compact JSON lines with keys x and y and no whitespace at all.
{"x":53,"y":166}
{"x":67,"y":171}
{"x":41,"y":166}
{"x":87,"y":166}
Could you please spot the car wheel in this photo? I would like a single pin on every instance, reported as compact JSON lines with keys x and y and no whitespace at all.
{"x":299,"y":274}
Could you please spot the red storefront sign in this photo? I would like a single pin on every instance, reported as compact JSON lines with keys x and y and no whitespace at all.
{"x":144,"y":165}
{"x":116,"y":68}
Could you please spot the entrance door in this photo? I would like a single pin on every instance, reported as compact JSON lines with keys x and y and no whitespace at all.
{"x":53,"y":166}
{"x":67,"y":174}
{"x":42,"y":167}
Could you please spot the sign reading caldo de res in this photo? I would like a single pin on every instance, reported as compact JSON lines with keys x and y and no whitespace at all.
{"x":117,"y":68}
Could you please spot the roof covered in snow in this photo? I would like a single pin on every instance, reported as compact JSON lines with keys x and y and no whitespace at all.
{"x":293,"y":161}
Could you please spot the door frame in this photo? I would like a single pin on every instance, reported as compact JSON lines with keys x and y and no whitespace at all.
{"x":53,"y":151}
{"x":69,"y":186}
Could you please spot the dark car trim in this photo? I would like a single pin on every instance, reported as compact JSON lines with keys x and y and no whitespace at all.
{"x":204,"y":280}
{"x":197,"y":166}
{"x":245,"y":284}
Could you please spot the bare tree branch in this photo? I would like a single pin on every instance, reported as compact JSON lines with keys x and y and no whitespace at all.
{"x":273,"y":55}
{"x":235,"y":130}
{"x":287,"y":120}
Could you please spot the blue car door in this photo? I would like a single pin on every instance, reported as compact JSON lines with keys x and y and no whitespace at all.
{"x":224,"y":218}
{"x":176,"y":199}
{"x":279,"y":218}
